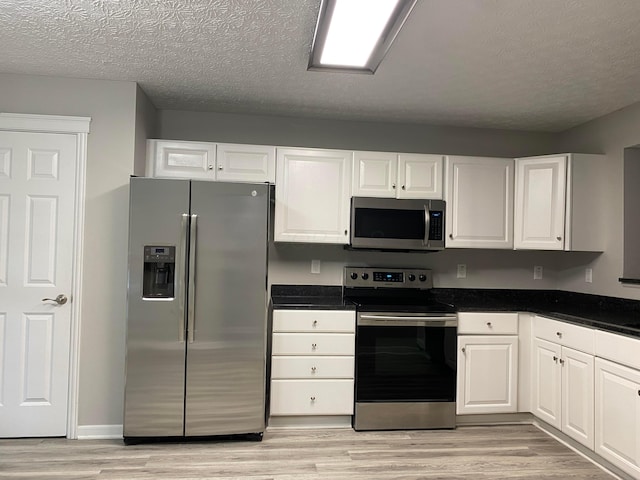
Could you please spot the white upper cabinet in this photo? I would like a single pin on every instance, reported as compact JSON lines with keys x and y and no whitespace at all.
{"x":312,"y":195}
{"x":420,"y":176}
{"x":211,"y":161}
{"x":176,"y":159}
{"x":404,"y":175}
{"x":245,"y":163}
{"x":559,"y":202}
{"x":479,"y":196}
{"x":375,"y":174}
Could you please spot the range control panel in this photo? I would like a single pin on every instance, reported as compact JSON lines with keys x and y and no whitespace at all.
{"x":383,"y":277}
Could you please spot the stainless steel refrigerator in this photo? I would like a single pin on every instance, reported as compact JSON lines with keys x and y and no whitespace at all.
{"x":197,"y":309}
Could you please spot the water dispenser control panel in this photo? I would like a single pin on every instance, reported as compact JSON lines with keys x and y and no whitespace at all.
{"x":159,"y":271}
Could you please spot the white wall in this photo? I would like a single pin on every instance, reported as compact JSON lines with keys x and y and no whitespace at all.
{"x":111,"y":106}
{"x":308,"y":132}
{"x":609,"y":135}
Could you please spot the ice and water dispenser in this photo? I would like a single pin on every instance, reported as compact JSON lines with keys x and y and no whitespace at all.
{"x":159,"y":271}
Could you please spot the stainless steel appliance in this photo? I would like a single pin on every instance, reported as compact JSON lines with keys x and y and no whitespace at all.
{"x":197,"y":298}
{"x":405,"y":350}
{"x":393,"y":224}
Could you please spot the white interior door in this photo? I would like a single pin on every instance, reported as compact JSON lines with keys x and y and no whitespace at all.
{"x":37,"y":190}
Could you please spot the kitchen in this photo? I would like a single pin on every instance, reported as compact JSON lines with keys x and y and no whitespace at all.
{"x":117,"y":140}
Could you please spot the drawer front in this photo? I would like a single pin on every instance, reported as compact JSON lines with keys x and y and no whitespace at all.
{"x":474,"y":323}
{"x":311,"y":397}
{"x":314,"y":321}
{"x":618,"y":348}
{"x":312,"y":367}
{"x":567,"y":334}
{"x":314,"y":344}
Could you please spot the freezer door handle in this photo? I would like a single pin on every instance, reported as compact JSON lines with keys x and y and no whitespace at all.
{"x":191,"y":307}
{"x":182,"y":279}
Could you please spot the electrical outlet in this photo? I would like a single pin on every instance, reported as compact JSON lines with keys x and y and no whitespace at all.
{"x":315,"y":266}
{"x":588,"y":275}
{"x":537,"y":272}
{"x":462,"y":270}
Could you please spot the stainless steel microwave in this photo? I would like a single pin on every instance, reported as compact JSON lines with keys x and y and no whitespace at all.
{"x":397,"y":224}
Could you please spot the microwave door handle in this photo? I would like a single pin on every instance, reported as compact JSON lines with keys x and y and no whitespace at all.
{"x":427,"y":224}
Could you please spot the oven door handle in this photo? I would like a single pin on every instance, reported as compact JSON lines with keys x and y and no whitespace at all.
{"x":406,"y":321}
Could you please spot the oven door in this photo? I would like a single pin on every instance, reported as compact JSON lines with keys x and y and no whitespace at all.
{"x":405,"y":371}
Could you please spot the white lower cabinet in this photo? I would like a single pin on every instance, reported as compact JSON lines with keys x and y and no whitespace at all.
{"x":487,"y":378}
{"x":563,"y":390}
{"x":618,"y":415}
{"x":312,"y":364}
{"x":487,"y":374}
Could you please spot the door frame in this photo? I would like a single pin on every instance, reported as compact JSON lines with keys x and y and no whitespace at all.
{"x":78,"y":126}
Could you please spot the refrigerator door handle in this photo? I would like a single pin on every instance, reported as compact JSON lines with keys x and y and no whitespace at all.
{"x":191,"y":307}
{"x":182,"y":279}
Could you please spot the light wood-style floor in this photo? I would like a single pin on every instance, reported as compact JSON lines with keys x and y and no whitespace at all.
{"x":515,"y":451}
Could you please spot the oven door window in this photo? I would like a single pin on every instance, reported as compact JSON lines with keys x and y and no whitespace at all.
{"x":405,"y":364}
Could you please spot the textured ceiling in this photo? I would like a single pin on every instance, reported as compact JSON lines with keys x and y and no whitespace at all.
{"x":516,"y":64}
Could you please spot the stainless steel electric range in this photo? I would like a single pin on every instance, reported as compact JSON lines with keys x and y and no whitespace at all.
{"x":405,"y":350}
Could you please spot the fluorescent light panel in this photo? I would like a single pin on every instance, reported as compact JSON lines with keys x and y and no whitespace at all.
{"x":354,"y":35}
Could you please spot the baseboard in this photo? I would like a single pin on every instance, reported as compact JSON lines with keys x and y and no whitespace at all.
{"x":95,"y":432}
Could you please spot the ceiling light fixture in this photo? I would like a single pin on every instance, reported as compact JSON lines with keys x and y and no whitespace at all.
{"x":355,"y":35}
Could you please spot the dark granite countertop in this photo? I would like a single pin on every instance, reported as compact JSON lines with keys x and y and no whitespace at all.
{"x":316,"y":297}
{"x":605,"y":313}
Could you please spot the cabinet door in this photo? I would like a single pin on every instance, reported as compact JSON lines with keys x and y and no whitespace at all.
{"x":312,"y":196}
{"x":617,"y":407}
{"x":174,"y":159}
{"x":246,"y":163}
{"x":479,"y":195}
{"x":487,"y":374}
{"x":375,"y":174}
{"x":547,"y":386}
{"x":419,"y":176}
{"x":540,"y":203}
{"x":577,"y":395}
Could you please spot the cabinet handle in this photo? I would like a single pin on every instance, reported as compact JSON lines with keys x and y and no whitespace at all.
{"x":403,"y":187}
{"x":313,"y":399}
{"x":561,"y":361}
{"x":393,"y":186}
{"x":464,"y":350}
{"x":220,"y":167}
{"x":315,"y":323}
{"x":559,"y":334}
{"x":345,"y":232}
{"x":555,"y":359}
{"x":314,"y":346}
{"x":313,"y":369}
{"x":451,"y":236}
{"x":489,"y":324}
{"x":210,"y":167}
{"x":638,"y":392}
{"x":558,"y":238}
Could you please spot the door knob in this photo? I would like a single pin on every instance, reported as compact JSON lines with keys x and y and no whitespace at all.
{"x":60,"y":299}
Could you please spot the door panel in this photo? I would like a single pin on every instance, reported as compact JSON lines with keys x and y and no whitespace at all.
{"x":37,"y":180}
{"x":226,"y":360}
{"x":547,"y":400}
{"x":154,"y":390}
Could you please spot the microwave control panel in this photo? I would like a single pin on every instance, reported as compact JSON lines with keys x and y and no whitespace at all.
{"x":435,"y":224}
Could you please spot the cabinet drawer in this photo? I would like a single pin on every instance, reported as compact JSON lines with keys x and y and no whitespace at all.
{"x":472,"y":323}
{"x":311,"y":367}
{"x":566,"y":334}
{"x":619,"y":348}
{"x":314,"y":321}
{"x":311,"y":397}
{"x":313,"y":344}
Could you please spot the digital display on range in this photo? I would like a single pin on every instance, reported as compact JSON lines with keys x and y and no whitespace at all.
{"x":159,"y":251}
{"x":388,"y":277}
